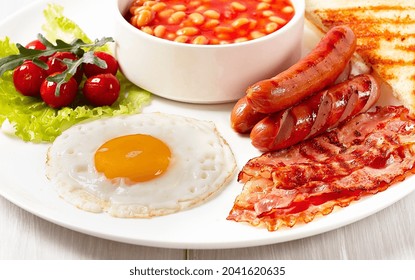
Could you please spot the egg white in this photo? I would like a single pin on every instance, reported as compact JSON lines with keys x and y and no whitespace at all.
{"x":201,"y":164}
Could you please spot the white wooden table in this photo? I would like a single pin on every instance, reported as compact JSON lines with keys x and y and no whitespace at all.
{"x":389,"y":234}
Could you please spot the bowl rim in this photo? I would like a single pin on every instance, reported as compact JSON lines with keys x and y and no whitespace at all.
{"x":299,"y":6}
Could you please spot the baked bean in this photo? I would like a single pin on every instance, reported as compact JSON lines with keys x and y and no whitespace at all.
{"x":133,"y":20}
{"x":137,"y":10}
{"x":147,"y":29}
{"x":238,"y":7}
{"x":212,"y":14}
{"x":271,"y":27}
{"x":197,"y":18}
{"x":263,"y":6}
{"x":181,"y":39}
{"x":210,"y":24}
{"x":143,"y":18}
{"x":277,"y":20}
{"x":288,"y":9}
{"x":158,"y":7}
{"x":200,"y":9}
{"x":240,"y":22}
{"x":188,"y":31}
{"x":223,"y":36}
{"x":149,"y":3}
{"x":165,"y":13}
{"x":176,"y":17}
{"x":171,"y":36}
{"x":195,"y":3}
{"x":210,"y":21}
{"x":223,"y":29}
{"x":200,"y":40}
{"x":179,"y":7}
{"x":132,"y":9}
{"x":267,"y":13}
{"x":257,"y":34}
{"x":159,"y":31}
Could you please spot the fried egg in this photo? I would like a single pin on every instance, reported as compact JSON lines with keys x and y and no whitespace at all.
{"x":143,"y":165}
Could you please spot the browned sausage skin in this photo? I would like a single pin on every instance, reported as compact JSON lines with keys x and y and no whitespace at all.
{"x":323,"y":111}
{"x":243,"y":117}
{"x":319,"y":69}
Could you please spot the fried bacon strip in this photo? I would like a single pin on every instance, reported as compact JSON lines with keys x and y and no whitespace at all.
{"x":362,"y":157}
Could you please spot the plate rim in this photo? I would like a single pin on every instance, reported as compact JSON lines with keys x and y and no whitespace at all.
{"x":269,"y":239}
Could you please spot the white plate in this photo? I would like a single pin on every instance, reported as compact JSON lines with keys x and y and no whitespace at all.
{"x":23,"y":181}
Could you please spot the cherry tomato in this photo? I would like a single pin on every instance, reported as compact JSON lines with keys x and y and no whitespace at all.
{"x":102,"y":89}
{"x":66,"y":95}
{"x":28,"y":78}
{"x":35,"y":45}
{"x":92,"y":69}
{"x":55,"y":64}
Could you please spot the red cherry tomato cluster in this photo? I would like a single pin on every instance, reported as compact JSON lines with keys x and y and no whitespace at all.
{"x":101,"y":87}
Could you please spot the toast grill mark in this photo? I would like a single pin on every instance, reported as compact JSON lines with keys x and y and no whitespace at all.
{"x":383,"y":25}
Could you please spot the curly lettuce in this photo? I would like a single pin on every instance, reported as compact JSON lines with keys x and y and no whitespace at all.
{"x":31,"y":118}
{"x":57,"y":26}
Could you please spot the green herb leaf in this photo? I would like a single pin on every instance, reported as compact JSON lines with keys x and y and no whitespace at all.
{"x":72,"y":67}
{"x":14,"y":60}
{"x":90,"y":58}
{"x":77,"y":47}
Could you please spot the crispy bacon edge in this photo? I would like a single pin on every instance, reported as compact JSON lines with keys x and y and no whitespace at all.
{"x":304,"y":206}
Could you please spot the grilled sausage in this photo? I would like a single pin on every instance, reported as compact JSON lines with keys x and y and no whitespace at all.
{"x":323,"y":111}
{"x":319,"y":69}
{"x":243,"y":117}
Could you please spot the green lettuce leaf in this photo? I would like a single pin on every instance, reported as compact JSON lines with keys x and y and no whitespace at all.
{"x":57,"y":26}
{"x":32,"y":119}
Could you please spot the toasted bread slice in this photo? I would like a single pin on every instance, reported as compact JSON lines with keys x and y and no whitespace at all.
{"x":386,"y":37}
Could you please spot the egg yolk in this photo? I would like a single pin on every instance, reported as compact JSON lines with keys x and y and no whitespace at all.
{"x":136,"y":157}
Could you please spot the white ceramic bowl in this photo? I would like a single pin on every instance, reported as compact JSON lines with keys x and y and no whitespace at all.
{"x":204,"y":74}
